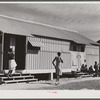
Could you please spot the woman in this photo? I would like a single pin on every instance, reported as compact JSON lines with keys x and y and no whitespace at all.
{"x":12,"y":63}
{"x":57,"y":66}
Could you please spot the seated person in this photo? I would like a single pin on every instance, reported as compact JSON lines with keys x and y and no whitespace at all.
{"x":91,"y":71}
{"x":83,"y":68}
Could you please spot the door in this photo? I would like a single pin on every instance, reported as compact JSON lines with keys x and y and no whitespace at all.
{"x":74,"y":60}
{"x":6,"y":49}
{"x":81,"y":58}
{"x":77,"y":59}
{"x":20,"y":52}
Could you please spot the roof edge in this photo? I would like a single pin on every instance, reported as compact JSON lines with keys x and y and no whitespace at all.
{"x":34,"y":22}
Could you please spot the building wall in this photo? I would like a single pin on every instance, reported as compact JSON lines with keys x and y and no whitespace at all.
{"x":44,"y":57}
{"x":92,"y":55}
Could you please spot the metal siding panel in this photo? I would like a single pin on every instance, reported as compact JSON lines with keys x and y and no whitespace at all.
{"x":67,"y":60}
{"x":43,"y":60}
{"x":46,"y":61}
{"x":96,"y":51}
{"x":90,"y":59}
{"x":38,"y":60}
{"x":56,"y":46}
{"x":92,"y":50}
{"x":65,"y":48}
{"x":35,"y":62}
{"x":29,"y":61}
{"x":37,"y":57}
{"x":32,"y":61}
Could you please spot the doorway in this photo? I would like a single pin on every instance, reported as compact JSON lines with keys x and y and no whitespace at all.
{"x":20,"y":52}
{"x":6,"y":49}
{"x":77,"y":59}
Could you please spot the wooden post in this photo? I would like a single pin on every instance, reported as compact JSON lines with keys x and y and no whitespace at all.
{"x":51,"y":76}
{"x":2,"y":51}
{"x":26,"y":52}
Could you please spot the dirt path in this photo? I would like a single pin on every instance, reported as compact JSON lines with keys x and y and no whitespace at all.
{"x":65,"y":84}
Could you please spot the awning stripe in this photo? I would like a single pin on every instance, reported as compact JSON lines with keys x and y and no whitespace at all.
{"x":36,"y":43}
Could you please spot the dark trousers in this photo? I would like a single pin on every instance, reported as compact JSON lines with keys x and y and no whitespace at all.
{"x":96,"y":72}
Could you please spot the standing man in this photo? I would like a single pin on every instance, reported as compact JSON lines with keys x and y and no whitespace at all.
{"x":57,"y":66}
{"x":96,"y":68}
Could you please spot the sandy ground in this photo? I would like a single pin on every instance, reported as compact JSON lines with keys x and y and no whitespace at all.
{"x":65,"y":84}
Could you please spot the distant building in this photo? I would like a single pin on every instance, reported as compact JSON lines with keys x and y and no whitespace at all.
{"x":36,"y":45}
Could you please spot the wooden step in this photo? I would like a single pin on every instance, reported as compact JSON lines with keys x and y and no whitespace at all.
{"x":2,"y":75}
{"x":18,"y":74}
{"x":18,"y":81}
{"x":17,"y":77}
{"x":83,"y":76}
{"x":22,"y":74}
{"x":81,"y":73}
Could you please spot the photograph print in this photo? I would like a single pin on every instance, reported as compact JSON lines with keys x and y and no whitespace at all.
{"x":50,"y":46}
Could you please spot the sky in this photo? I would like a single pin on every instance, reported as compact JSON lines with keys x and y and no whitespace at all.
{"x":81,"y":17}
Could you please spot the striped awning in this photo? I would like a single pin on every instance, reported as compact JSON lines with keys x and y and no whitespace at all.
{"x":36,"y":43}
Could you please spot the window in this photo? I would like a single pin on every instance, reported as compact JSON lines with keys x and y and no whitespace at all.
{"x":74,"y":48}
{"x":77,"y":47}
{"x":82,"y":49}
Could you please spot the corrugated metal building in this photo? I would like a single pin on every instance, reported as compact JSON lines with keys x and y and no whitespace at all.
{"x":36,"y":45}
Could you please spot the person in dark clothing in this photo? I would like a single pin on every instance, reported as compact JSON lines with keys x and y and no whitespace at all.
{"x":12,"y":63}
{"x":57,"y":66}
{"x":91,"y":71}
{"x":84,"y":68}
{"x":96,"y":69}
